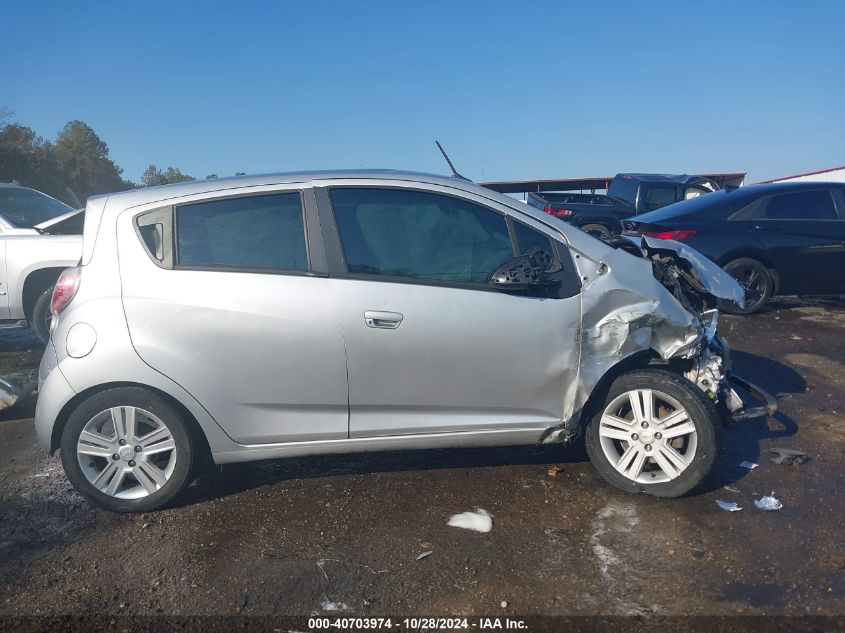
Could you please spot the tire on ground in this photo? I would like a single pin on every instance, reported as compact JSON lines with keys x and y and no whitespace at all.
{"x":768,"y":285}
{"x":702,"y":413}
{"x":186,"y":447}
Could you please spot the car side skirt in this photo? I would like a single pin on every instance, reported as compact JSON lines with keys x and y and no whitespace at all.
{"x":462,"y":439}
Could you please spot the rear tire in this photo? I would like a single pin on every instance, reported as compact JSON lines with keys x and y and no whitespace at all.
{"x":132,"y":434}
{"x":596,"y":230}
{"x":647,"y":450}
{"x":41,"y":315}
{"x":755,"y":279}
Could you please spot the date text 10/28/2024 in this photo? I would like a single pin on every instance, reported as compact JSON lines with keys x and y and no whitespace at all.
{"x":416,"y":624}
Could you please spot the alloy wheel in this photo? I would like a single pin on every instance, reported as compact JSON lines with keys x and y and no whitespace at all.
{"x":647,"y":436}
{"x":126,"y":452}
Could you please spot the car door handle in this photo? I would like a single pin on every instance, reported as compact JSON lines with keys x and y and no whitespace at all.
{"x":383,"y":320}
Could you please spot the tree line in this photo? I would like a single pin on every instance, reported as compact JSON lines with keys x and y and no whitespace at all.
{"x":78,"y":159}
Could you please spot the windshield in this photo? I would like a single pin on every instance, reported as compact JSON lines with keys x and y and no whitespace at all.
{"x":25,"y":208}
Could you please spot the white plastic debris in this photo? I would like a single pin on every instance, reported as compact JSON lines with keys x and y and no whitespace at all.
{"x":424,"y":555}
{"x":730,"y":506}
{"x":749,"y":465}
{"x":480,"y":520}
{"x":328,"y":605}
{"x":768,"y":503}
{"x":504,"y":604}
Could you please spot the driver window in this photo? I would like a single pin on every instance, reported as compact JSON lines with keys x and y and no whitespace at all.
{"x":419,"y":235}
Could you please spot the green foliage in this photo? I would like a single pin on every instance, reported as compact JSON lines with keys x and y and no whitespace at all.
{"x":78,"y":159}
{"x":154,"y":176}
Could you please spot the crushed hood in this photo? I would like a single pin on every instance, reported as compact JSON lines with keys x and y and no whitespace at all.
{"x":715,"y":280}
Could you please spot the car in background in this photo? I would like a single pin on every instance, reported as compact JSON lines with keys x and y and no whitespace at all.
{"x":627,"y":195}
{"x":596,"y":214}
{"x":649,"y":192}
{"x":775,"y":239}
{"x":307,"y":313}
{"x":39,"y":237}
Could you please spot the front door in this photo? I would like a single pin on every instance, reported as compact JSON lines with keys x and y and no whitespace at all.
{"x":430,"y":346}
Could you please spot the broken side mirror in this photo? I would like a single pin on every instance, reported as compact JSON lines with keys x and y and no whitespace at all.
{"x":524,"y":272}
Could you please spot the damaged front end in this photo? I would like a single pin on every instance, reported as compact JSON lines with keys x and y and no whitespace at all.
{"x":658,"y":308}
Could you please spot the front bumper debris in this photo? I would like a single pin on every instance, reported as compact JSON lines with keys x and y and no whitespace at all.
{"x":745,"y":411}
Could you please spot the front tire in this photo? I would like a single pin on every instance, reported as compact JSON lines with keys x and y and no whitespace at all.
{"x":755,"y":280}
{"x":41,"y":315}
{"x":655,"y":432}
{"x":127,"y":450}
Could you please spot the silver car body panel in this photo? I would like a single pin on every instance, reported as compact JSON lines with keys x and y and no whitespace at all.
{"x":261,"y":360}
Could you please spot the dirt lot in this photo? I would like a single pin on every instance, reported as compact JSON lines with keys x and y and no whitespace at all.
{"x":291,"y":537}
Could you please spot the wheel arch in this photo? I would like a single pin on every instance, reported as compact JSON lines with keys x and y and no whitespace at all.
{"x":196,"y":430}
{"x":36,"y":282}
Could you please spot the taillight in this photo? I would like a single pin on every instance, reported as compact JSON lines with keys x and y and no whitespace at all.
{"x":65,"y":289}
{"x":678,"y":234}
{"x":556,"y":212}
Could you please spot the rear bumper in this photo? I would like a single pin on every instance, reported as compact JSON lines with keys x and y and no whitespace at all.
{"x":766,"y":404}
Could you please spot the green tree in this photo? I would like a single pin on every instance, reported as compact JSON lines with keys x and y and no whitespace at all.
{"x":84,"y":160}
{"x":210,"y":176}
{"x":154,"y":176}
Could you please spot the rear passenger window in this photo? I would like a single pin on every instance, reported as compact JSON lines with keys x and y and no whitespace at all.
{"x":419,"y":235}
{"x":658,"y":197}
{"x":529,"y":238}
{"x":801,"y":205}
{"x":261,"y":232}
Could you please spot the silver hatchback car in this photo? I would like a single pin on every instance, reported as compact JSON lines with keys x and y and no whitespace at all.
{"x":293,"y":314}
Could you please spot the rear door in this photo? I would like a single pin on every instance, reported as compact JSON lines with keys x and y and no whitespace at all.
{"x":432,"y":348}
{"x":802,"y":233}
{"x":229,"y":297}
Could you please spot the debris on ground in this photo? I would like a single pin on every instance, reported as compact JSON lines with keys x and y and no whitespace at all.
{"x":730,"y":506}
{"x":749,"y":465}
{"x":768,"y":503}
{"x":12,"y":390}
{"x":480,"y":520}
{"x":243,"y":603}
{"x":504,"y":604}
{"x":795,"y":338}
{"x":554,"y":470}
{"x":731,"y":489}
{"x":425,"y":555}
{"x":788,"y":456}
{"x":328,"y":605}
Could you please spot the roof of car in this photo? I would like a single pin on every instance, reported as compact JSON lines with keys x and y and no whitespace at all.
{"x":151,"y":194}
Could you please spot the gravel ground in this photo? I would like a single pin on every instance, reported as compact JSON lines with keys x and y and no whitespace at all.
{"x":301,"y":536}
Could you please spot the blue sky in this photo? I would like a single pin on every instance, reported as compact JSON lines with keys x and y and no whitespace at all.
{"x":512,"y":89}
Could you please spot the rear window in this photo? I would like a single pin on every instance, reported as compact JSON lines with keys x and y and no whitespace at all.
{"x":25,"y":208}
{"x":658,"y":197}
{"x":261,"y":232}
{"x":800,"y":205}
